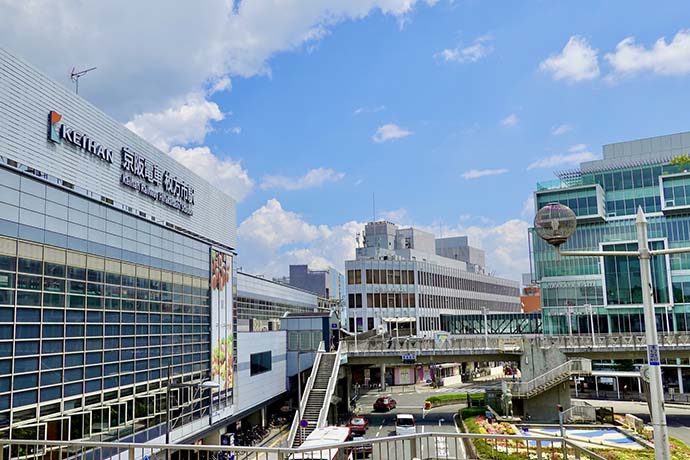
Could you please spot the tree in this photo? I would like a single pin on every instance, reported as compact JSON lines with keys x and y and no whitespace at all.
{"x":683,"y":161}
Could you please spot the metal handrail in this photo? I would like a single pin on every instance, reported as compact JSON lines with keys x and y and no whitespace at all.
{"x":323,"y":413}
{"x":577,"y":365}
{"x":543,"y":446}
{"x":305,"y":396}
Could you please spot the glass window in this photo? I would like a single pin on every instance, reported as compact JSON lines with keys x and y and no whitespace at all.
{"x":30,"y":266}
{"x":260,"y":363}
{"x":6,"y":280}
{"x":8,"y":263}
{"x":54,"y":284}
{"x":29,"y":282}
{"x":76,"y":273}
{"x":55,"y":270}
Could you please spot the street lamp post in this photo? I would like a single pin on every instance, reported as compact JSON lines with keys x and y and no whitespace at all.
{"x":555,"y":223}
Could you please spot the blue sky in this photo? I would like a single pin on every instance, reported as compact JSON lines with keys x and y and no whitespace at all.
{"x":280,"y":105}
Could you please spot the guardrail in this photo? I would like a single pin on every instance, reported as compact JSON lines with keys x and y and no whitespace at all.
{"x":323,"y":414}
{"x":580,"y":414}
{"x":305,"y":394}
{"x":615,"y":342}
{"x":420,"y":445}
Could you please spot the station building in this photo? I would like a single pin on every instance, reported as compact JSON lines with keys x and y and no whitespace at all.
{"x":117,"y":280}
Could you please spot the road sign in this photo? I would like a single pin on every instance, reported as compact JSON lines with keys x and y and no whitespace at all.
{"x":303,"y":423}
{"x":653,"y":355}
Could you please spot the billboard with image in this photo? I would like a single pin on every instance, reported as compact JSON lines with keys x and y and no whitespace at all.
{"x":222,"y":343}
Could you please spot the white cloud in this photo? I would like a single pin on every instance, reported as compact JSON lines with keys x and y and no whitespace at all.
{"x":662,"y":59}
{"x":226,"y":174}
{"x":561,"y":129}
{"x":375,"y":109}
{"x":577,"y":148}
{"x":479,"y":48}
{"x":578,"y":154}
{"x":476,"y":173}
{"x":510,"y":120}
{"x":389,"y":132}
{"x":188,"y":121}
{"x":577,"y":62}
{"x":138,"y":69}
{"x":313,"y":178}
{"x":272,"y":238}
{"x":397,"y":216}
{"x":527,"y":211}
{"x":222,"y":84}
{"x":235,"y":130}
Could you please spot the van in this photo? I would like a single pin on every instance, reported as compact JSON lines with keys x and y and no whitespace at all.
{"x":405,"y":424}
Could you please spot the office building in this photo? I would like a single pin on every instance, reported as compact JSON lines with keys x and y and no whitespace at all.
{"x":328,"y":283}
{"x":605,"y":195}
{"x":399,"y":282}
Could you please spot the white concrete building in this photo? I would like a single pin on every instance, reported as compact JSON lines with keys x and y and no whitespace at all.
{"x":397,"y":273}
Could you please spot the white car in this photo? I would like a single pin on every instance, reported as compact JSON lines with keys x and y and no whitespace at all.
{"x":405,"y":424}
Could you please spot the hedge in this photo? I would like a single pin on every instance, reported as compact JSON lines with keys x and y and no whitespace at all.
{"x":451,"y":398}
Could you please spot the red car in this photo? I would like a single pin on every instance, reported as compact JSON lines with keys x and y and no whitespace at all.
{"x":358,"y":425}
{"x":384,"y":404}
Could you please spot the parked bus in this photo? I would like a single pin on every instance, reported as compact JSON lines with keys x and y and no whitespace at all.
{"x":327,"y":436}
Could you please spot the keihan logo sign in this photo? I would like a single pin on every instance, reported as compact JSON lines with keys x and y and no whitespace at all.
{"x":58,"y":131}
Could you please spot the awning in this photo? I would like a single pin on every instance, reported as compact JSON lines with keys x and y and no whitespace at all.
{"x":409,"y":319}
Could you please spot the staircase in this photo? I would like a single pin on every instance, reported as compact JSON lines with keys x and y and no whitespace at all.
{"x":316,"y":398}
{"x":548,"y":380}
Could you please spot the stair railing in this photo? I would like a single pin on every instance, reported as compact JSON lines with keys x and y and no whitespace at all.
{"x":323,"y":413}
{"x":574,"y":366}
{"x":305,"y":395}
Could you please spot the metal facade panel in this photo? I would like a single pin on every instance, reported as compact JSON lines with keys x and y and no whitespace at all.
{"x":27,"y":97}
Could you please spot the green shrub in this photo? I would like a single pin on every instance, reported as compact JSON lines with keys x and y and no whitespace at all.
{"x":471,"y":412}
{"x":459,"y":397}
{"x":484,"y":449}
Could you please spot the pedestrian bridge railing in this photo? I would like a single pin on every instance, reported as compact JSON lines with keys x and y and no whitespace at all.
{"x":430,"y":445}
{"x":461,"y":345}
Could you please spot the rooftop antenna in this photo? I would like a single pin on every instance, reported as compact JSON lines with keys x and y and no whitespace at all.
{"x":373,"y":203}
{"x":75,"y":75}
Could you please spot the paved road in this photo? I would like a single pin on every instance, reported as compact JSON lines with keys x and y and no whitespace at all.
{"x":677,"y":416}
{"x":436,"y":420}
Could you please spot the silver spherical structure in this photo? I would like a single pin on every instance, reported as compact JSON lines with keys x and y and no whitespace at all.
{"x":555,"y":223}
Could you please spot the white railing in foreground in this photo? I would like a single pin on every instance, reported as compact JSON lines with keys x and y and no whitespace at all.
{"x":568,"y":368}
{"x":421,"y":445}
{"x":305,"y":394}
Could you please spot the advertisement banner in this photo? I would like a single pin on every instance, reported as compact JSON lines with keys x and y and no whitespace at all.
{"x":222,"y":343}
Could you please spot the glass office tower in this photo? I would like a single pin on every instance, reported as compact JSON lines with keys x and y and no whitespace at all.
{"x":109,"y":274}
{"x":605,"y":195}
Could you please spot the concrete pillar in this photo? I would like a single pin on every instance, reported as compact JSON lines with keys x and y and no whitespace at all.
{"x":596,"y":385}
{"x":348,"y":387}
{"x":383,"y":377}
{"x":680,"y":380}
{"x":264,"y":422}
